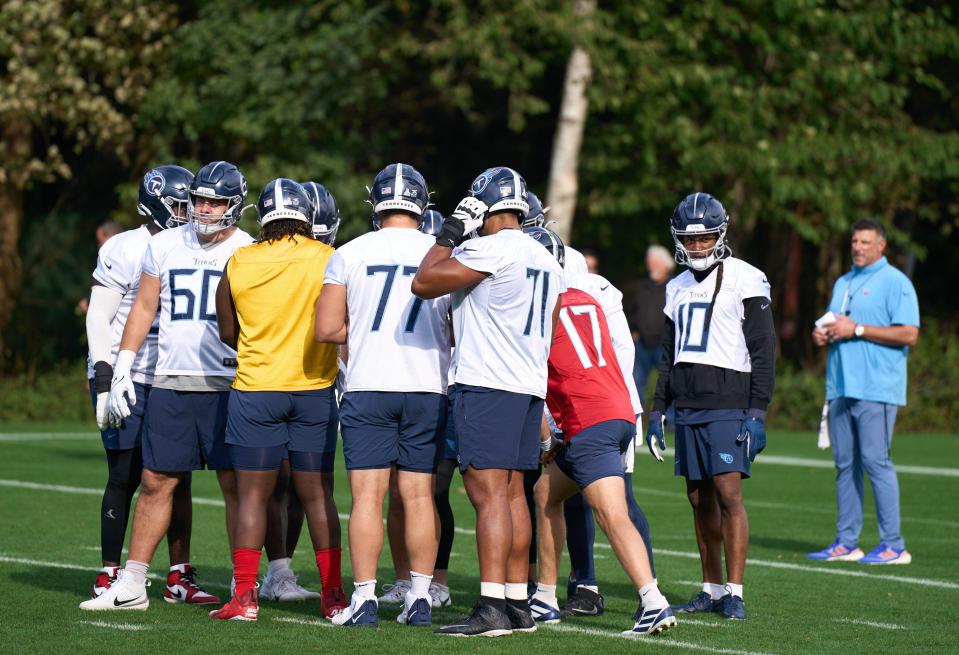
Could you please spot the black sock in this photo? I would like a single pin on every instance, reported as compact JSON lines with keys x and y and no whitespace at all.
{"x":498,"y":603}
{"x":125,"y":467}
{"x":520,"y":605}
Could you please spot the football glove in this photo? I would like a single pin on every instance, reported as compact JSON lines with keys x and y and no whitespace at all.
{"x":656,"y":435}
{"x":122,"y":392}
{"x":102,"y":375}
{"x":753,"y":432}
{"x":467,"y":217}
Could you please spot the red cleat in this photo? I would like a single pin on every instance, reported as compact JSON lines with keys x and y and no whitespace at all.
{"x":181,"y":587}
{"x":333,"y":601}
{"x":244,"y":608}
{"x":106,"y":577}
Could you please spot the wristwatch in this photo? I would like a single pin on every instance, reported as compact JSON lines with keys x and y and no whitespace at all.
{"x":859,"y":330}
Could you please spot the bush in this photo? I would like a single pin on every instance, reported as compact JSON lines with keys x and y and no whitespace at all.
{"x":55,"y":396}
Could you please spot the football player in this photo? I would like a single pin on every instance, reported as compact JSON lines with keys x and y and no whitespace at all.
{"x":185,"y":415}
{"x":393,"y":411}
{"x":506,"y":289}
{"x":591,"y":406}
{"x":282,"y":404}
{"x":162,"y":200}
{"x":718,"y":367}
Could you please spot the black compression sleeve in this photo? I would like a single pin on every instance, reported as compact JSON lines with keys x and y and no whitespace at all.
{"x":760,"y":337}
{"x":663,"y":396}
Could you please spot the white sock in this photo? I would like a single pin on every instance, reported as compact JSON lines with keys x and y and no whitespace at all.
{"x":715,"y":591}
{"x":516,"y":590}
{"x":365,"y":590}
{"x":735,"y":589}
{"x":591,"y":587}
{"x":420,"y":584}
{"x":493,"y":590}
{"x":651,"y":597}
{"x":546,"y":593}
{"x":278,"y":564}
{"x":137,"y":571}
{"x":182,"y":567}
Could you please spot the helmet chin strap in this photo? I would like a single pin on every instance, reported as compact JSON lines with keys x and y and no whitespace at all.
{"x":702,"y":263}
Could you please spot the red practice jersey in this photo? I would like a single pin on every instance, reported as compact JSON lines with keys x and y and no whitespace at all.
{"x":585,"y":385}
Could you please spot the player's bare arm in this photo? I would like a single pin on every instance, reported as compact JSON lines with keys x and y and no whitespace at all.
{"x":330,"y":321}
{"x":226,"y":318}
{"x":889,"y":335}
{"x":439,"y":274}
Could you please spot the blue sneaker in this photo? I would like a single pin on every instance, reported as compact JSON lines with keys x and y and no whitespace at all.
{"x":837,"y":553}
{"x":542,"y":612}
{"x":652,"y":621}
{"x":733,"y":607}
{"x":360,"y":614}
{"x":883,"y":554}
{"x":417,"y":612}
{"x":700,"y":603}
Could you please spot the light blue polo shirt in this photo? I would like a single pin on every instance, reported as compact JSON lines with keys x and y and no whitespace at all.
{"x":878,"y":294}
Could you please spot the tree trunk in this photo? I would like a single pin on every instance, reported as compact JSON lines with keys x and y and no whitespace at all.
{"x":18,"y":145}
{"x":563,"y":174}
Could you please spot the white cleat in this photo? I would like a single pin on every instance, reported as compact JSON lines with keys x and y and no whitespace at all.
{"x":395,"y":593}
{"x":440,"y":594}
{"x":124,"y":594}
{"x":283,"y":587}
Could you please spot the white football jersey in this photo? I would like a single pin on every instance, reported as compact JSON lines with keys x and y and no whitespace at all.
{"x":189,"y":340}
{"x":118,"y":268}
{"x":503,"y":325}
{"x":397,"y":342}
{"x":720,"y":342}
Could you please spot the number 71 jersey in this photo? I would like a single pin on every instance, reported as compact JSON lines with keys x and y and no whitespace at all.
{"x":189,"y":340}
{"x":585,"y":384}
{"x":718,"y":341}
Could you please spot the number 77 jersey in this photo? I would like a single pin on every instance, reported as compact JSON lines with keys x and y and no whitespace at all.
{"x":585,"y":384}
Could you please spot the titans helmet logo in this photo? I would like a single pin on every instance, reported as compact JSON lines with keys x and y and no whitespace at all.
{"x":154,"y":182}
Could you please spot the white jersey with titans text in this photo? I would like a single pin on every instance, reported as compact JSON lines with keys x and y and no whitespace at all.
{"x":118,"y":268}
{"x":719,"y":340}
{"x":397,"y":342}
{"x":503,"y":325}
{"x":189,"y":340}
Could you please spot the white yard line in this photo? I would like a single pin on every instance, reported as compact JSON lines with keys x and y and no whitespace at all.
{"x":871,"y":624}
{"x":653,"y":640}
{"x":115,"y":626}
{"x":82,"y":567}
{"x":315,"y":623}
{"x":49,"y":436}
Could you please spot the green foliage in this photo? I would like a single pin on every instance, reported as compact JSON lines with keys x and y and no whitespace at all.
{"x":57,"y":395}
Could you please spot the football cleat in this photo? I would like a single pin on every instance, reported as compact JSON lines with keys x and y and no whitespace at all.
{"x":106,"y":577}
{"x":282,"y":586}
{"x":700,"y":603}
{"x":123,"y":594}
{"x":837,"y":553}
{"x":333,"y":601}
{"x":395,"y":593}
{"x":417,"y":612}
{"x":244,"y":608}
{"x":484,"y":621}
{"x":585,"y":602}
{"x":181,"y":587}
{"x":362,"y":613}
{"x":520,"y":620}
{"x":652,"y":621}
{"x":440,"y":595}
{"x":542,"y":612}
{"x":733,"y":607}
{"x":883,"y":554}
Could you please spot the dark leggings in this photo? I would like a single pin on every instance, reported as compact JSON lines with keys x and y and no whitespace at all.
{"x":529,"y":481}
{"x":125,"y":468}
{"x":444,"y":478}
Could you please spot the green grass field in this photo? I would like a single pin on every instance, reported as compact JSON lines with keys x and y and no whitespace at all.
{"x":50,"y":487}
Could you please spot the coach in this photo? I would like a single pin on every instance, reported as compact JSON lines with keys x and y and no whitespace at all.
{"x":876,"y":320}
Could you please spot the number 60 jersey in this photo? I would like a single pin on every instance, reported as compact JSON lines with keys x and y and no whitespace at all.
{"x":715,"y":340}
{"x":189,"y":341}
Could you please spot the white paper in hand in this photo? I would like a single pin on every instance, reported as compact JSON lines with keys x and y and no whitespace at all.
{"x":824,"y":442}
{"x":826,"y":319}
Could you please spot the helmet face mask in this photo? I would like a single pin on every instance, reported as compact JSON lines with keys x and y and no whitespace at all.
{"x":537,"y":213}
{"x":699,"y":215}
{"x":164,"y":197}
{"x":223,"y":183}
{"x":398,"y":188}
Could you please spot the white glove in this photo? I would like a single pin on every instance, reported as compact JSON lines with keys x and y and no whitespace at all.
{"x":122,"y":392}
{"x":471,"y":212}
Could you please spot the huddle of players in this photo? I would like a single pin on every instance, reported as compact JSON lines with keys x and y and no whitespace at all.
{"x":524,"y":330}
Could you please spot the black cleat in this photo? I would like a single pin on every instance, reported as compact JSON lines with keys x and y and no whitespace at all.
{"x":519,"y":619}
{"x":585,"y":602}
{"x":483,"y":621}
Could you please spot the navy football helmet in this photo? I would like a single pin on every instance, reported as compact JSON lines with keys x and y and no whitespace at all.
{"x":398,"y":187}
{"x":432,"y":222}
{"x":218,"y":180}
{"x":549,"y":240}
{"x":699,"y":214}
{"x":502,"y":189}
{"x":283,"y":198}
{"x":163,"y":195}
{"x":537,"y":213}
{"x":326,"y":215}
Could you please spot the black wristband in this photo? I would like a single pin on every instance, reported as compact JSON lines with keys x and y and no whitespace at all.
{"x":451,"y":234}
{"x":102,"y":377}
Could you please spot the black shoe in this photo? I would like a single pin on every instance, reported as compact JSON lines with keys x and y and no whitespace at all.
{"x":483,"y":621}
{"x":585,"y":602}
{"x":700,"y":603}
{"x":520,"y":620}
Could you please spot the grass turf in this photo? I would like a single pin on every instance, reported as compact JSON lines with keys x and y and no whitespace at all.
{"x":48,"y":555}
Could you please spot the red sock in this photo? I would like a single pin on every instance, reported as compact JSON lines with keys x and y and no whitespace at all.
{"x":246,"y":564}
{"x":328,"y":563}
